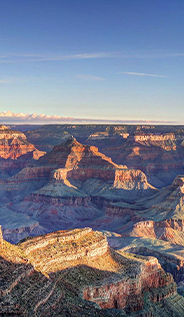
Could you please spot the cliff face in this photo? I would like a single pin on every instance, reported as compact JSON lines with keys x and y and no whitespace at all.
{"x":167,"y":203}
{"x":171,"y":230}
{"x":14,"y":144}
{"x":14,"y":235}
{"x":159,"y":156}
{"x":72,"y":154}
{"x":15,"y":152}
{"x":76,"y":162}
{"x":128,"y":293}
{"x":160,"y":217}
{"x":166,"y":141}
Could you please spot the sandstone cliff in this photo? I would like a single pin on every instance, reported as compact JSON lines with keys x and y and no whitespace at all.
{"x":15,"y":152}
{"x":13,"y":144}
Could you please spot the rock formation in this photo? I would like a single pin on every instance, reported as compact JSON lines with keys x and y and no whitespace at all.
{"x":60,"y":190}
{"x":74,"y":161}
{"x":15,"y":152}
{"x":76,"y":273}
{"x":14,"y":144}
{"x":155,"y":150}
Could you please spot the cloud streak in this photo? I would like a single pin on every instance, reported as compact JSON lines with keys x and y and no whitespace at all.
{"x":90,"y":77}
{"x":22,"y":58}
{"x":8,"y":117}
{"x":143,"y":74}
{"x":4,"y":81}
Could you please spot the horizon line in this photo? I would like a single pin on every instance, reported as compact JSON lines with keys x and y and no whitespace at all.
{"x":9,"y":117}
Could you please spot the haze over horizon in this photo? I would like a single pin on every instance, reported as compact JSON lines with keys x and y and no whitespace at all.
{"x":8,"y":117}
{"x":92,"y":61}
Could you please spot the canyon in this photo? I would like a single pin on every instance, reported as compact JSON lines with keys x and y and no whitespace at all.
{"x":155,"y":150}
{"x":67,"y":273}
{"x":92,"y":220}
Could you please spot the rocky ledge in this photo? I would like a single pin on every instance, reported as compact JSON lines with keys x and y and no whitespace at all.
{"x":127,"y":291}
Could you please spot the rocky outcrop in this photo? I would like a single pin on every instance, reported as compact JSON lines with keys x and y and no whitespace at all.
{"x":171,"y":230}
{"x":74,"y":161}
{"x":128,"y":293}
{"x":69,"y":272}
{"x":171,"y":263}
{"x":166,"y":141}
{"x":14,"y":144}
{"x":72,"y":154}
{"x":69,"y":248}
{"x":14,"y":235}
{"x":163,"y":217}
{"x":15,"y":152}
{"x":131,"y":179}
{"x":54,"y":237}
{"x":65,"y":246}
{"x":176,"y":224}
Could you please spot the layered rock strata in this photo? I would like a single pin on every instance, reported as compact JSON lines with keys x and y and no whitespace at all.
{"x":59,"y":190}
{"x":67,"y":272}
{"x":14,"y":144}
{"x":127,"y":293}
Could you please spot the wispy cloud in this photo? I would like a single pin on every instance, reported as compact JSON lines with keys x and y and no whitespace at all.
{"x":90,"y":77}
{"x":13,"y":58}
{"x":4,"y":81}
{"x":143,"y":74}
{"x":8,"y":117}
{"x":139,"y":54}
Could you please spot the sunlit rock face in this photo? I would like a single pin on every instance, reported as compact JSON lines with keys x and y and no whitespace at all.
{"x":155,"y":150}
{"x":166,"y":141}
{"x":14,"y":144}
{"x":15,"y":152}
{"x":79,"y":162}
{"x":127,"y":293}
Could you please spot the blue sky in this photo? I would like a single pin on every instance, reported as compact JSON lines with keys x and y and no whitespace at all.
{"x":100,"y":59}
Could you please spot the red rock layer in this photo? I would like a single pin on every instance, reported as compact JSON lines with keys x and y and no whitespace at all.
{"x":127,"y":293}
{"x":171,"y":230}
{"x":73,"y":154}
{"x":14,"y":144}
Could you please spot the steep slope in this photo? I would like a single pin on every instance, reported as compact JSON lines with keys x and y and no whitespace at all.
{"x":170,"y":256}
{"x":78,"y":163}
{"x":14,"y":144}
{"x":155,"y":150}
{"x":162,"y":215}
